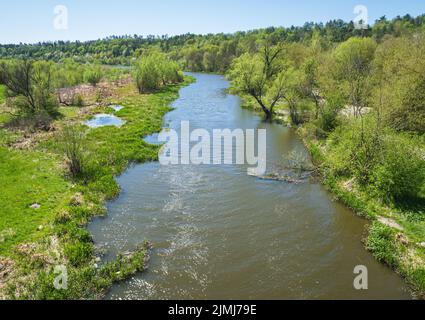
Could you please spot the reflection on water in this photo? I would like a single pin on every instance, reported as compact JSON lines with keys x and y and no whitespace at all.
{"x":221,"y":234}
{"x":117,"y":108}
{"x":104,"y":120}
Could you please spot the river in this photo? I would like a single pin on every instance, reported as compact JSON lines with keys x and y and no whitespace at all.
{"x":219,"y":233}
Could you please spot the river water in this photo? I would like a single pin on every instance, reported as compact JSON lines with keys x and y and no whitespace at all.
{"x":219,"y":233}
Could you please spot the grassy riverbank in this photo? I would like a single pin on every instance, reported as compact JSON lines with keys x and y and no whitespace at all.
{"x":44,"y":211}
{"x":396,"y":234}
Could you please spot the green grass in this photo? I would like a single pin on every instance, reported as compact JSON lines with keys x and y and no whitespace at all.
{"x":69,"y":112}
{"x":28,"y":178}
{"x":3,"y":117}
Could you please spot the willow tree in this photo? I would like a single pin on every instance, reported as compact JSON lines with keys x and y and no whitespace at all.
{"x":251,"y":75}
{"x":154,"y":70}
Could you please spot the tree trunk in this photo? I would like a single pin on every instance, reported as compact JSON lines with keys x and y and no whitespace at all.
{"x":267,"y":111}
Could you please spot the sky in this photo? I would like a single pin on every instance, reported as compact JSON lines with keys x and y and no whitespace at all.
{"x":30,"y":21}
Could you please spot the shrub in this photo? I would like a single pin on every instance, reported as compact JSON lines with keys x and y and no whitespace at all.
{"x":410,"y":115}
{"x":72,"y":142}
{"x":30,"y":85}
{"x":93,"y":75}
{"x":77,"y":100}
{"x":401,"y":175}
{"x":155,"y":70}
{"x":328,"y":116}
{"x":381,"y":243}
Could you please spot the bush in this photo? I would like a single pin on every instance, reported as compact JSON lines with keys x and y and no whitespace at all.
{"x":93,"y":75}
{"x":401,"y":175}
{"x":410,"y":115}
{"x":30,"y":85}
{"x":147,"y":76}
{"x":381,"y":243}
{"x":328,"y":116}
{"x":77,"y":100}
{"x":72,"y":143}
{"x":356,"y":149}
{"x":340,"y":146}
{"x":155,"y":70}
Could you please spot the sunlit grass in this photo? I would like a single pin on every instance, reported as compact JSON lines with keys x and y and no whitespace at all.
{"x":28,"y":178}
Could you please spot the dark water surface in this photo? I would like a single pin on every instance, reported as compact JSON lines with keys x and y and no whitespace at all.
{"x":221,"y":234}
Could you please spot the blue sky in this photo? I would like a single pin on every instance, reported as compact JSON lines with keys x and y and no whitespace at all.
{"x":31,"y":21}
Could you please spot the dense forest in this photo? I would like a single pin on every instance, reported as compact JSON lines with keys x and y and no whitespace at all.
{"x":211,"y":53}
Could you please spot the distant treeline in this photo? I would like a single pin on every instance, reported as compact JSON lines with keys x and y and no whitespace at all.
{"x":212,"y":52}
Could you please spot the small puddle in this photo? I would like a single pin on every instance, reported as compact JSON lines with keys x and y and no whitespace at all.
{"x":116,"y":108}
{"x":104,"y":120}
{"x":152,"y":139}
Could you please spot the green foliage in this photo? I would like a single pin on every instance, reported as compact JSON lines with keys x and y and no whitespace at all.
{"x":262,"y":77}
{"x":353,"y":65}
{"x":66,"y":207}
{"x":315,"y":71}
{"x":78,"y":100}
{"x":154,"y":70}
{"x":2,"y":94}
{"x":125,"y":266}
{"x":390,"y":165}
{"x":72,"y":142}
{"x":212,"y":52}
{"x":399,"y":70}
{"x":93,"y":75}
{"x":381,"y":242}
{"x":410,"y":116}
{"x":355,"y":149}
{"x":401,"y":173}
{"x":68,"y":73}
{"x":30,"y":84}
{"x":328,"y":118}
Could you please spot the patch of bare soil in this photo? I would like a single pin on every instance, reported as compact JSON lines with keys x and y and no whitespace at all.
{"x":6,"y":271}
{"x":91,"y":95}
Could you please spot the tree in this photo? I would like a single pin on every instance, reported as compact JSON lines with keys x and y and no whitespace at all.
{"x":249,"y":76}
{"x":353,"y":62}
{"x":270,"y":56}
{"x":400,"y":67}
{"x":30,"y":83}
{"x":309,"y":86}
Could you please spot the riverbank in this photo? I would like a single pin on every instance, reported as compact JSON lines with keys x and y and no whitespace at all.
{"x":395,"y":237}
{"x":45,"y":212}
